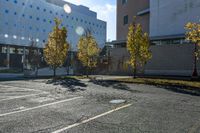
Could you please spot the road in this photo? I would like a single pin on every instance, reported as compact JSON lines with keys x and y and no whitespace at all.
{"x":81,"y":106}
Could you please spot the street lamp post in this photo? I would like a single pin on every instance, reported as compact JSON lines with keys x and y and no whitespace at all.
{"x":195,"y":73}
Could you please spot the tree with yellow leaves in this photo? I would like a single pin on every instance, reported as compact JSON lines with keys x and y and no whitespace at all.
{"x":138,"y":47}
{"x":193,"y":35}
{"x":88,"y":51}
{"x":56,"y":49}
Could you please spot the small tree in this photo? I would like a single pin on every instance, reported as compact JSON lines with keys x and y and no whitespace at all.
{"x":88,"y":51}
{"x":138,"y":47}
{"x":34,"y":56}
{"x":55,"y":51}
{"x":193,"y":35}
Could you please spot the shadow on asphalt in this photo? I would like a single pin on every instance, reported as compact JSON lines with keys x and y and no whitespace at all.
{"x":181,"y":89}
{"x":71,"y":84}
{"x":111,"y":83}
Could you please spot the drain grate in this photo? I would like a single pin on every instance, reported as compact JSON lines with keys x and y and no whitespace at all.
{"x":117,"y":101}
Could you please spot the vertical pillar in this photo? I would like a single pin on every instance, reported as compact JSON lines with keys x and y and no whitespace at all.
{"x":8,"y":57}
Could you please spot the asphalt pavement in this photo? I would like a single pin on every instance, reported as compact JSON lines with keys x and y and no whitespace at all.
{"x":82,"y":106}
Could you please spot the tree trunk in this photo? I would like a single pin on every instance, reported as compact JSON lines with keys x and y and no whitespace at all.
{"x":54,"y":72}
{"x":87,"y":72}
{"x":135,"y":70}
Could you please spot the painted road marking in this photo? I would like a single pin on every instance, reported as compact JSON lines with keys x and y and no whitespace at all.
{"x":194,"y":127}
{"x":21,"y":88}
{"x":41,"y":106}
{"x":18,"y":97}
{"x":91,"y":119}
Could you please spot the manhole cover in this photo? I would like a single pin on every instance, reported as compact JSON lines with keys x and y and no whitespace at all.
{"x":117,"y":101}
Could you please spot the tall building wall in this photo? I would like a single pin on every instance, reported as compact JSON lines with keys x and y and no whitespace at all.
{"x":21,"y":20}
{"x":131,"y":8}
{"x":168,"y":17}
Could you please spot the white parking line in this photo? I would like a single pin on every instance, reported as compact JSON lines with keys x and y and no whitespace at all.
{"x":22,"y":88}
{"x":41,"y":106}
{"x":18,"y":97}
{"x":91,"y":119}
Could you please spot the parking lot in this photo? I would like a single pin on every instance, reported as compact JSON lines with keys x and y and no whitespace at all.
{"x":81,"y":106}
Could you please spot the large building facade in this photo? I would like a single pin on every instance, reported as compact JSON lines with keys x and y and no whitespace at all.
{"x":126,"y":10}
{"x":24,"y":21}
{"x":164,"y":20}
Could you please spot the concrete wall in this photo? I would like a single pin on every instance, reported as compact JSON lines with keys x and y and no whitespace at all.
{"x":168,"y":17}
{"x":167,"y":60}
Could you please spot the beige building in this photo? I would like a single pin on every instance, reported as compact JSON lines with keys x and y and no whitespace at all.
{"x":164,"y":20}
{"x":126,"y":10}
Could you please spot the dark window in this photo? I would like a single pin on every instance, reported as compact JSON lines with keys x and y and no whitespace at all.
{"x":44,"y":30}
{"x":43,"y":41}
{"x":50,"y":21}
{"x":15,"y":13}
{"x":125,"y":19}
{"x":124,"y":2}
{"x":6,"y":11}
{"x":37,"y":19}
{"x":23,"y":4}
{"x":31,"y":6}
{"x":50,"y":12}
{"x":15,"y":2}
{"x":44,"y":10}
{"x":56,"y":13}
{"x":44,"y":20}
{"x":30,"y":17}
{"x":23,"y":15}
{"x":38,"y":8}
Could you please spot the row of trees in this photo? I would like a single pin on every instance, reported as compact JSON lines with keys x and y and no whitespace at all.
{"x":138,"y":44}
{"x":56,"y":50}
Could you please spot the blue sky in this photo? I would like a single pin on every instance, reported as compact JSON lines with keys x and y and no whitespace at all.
{"x":106,"y":10}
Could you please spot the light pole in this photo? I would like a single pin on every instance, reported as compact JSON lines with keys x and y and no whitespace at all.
{"x":195,"y":73}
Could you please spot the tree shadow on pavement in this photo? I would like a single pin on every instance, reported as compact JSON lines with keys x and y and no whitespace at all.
{"x":181,"y":89}
{"x":71,"y":84}
{"x":111,"y":83}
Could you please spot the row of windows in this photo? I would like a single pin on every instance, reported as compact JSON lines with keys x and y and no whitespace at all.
{"x":51,"y":12}
{"x":22,"y":38}
{"x":45,"y":20}
{"x":44,"y":30}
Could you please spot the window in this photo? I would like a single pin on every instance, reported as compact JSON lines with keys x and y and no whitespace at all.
{"x":44,"y":10}
{"x":6,"y":11}
{"x":23,"y":4}
{"x":38,"y":8}
{"x":50,"y":12}
{"x":124,"y":2}
{"x":15,"y":13}
{"x":44,"y":20}
{"x":23,"y":15}
{"x":31,"y":6}
{"x":125,"y":19}
{"x":15,"y":2}
{"x":37,"y":19}
{"x":30,"y":17}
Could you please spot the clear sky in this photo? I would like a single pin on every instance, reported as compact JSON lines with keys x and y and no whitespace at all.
{"x":106,"y":10}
